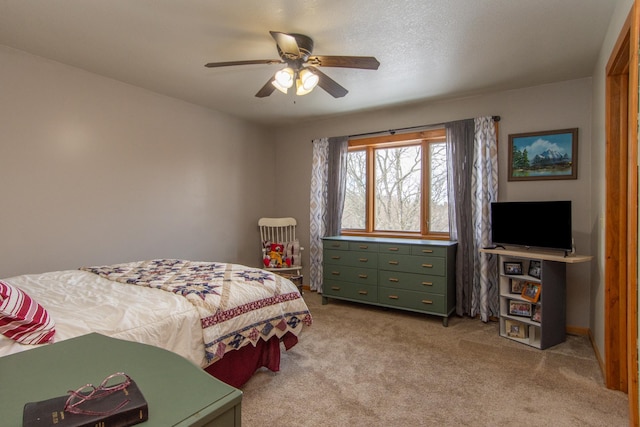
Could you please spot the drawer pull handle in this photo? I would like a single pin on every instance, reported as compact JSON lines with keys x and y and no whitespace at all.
{"x":427,"y":251}
{"x":427,"y":283}
{"x":427,"y":301}
{"x":364,"y":260}
{"x":335,"y":257}
{"x":363,"y":292}
{"x":335,"y":273}
{"x":393,"y":297}
{"x":393,"y":249}
{"x":336,"y":245}
{"x":362,"y":276}
{"x":393,"y":279}
{"x":335,"y":288}
{"x":394,"y":262}
{"x":364,"y":247}
{"x":427,"y":265}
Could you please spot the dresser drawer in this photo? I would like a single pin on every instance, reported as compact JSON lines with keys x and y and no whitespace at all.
{"x":413,"y":264}
{"x":367,"y":276}
{"x":363,"y":246}
{"x":352,"y":258}
{"x":394,"y":249}
{"x":335,"y":244}
{"x":420,"y":301}
{"x":336,"y":288}
{"x":413,"y":281}
{"x":429,"y":251}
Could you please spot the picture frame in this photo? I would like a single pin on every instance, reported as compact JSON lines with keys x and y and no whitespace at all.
{"x":520,"y":308}
{"x":512,"y":268}
{"x":516,"y":329}
{"x":516,"y":286}
{"x":543,"y":155}
{"x":531,"y":291}
{"x":537,"y":313}
{"x":535,"y":268}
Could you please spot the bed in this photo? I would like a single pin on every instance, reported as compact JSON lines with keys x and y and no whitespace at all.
{"x":227,"y":318}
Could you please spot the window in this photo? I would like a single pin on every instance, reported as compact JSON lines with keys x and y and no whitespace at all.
{"x":397,"y":186}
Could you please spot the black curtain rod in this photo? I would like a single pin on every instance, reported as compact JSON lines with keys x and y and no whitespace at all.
{"x":394,"y":131}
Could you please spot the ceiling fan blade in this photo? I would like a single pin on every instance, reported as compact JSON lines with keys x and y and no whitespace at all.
{"x":266,"y":90}
{"x":287,"y":43}
{"x":249,"y":62}
{"x":328,"y":84}
{"x":364,"y":62}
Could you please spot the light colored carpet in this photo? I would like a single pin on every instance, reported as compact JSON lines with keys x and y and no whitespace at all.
{"x":367,"y":366}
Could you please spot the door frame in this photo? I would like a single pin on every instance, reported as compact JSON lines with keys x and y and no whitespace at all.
{"x":621,"y":226}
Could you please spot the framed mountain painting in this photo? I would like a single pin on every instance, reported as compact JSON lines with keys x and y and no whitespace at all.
{"x":542,"y":155}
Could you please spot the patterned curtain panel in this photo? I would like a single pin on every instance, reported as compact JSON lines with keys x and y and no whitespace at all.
{"x":318,"y":208}
{"x":328,"y":182}
{"x":484,"y":184}
{"x":472,"y":150}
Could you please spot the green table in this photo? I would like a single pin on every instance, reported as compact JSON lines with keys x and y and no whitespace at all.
{"x":178,"y":393}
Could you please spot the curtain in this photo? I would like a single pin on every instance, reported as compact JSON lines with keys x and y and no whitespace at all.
{"x":328,"y":182}
{"x":484,"y":184}
{"x":473,"y":184}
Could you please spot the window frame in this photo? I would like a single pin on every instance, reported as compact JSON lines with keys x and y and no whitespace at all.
{"x":369,"y":145}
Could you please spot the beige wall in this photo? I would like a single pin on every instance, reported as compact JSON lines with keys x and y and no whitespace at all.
{"x":598,"y":175}
{"x":553,"y":106}
{"x":96,"y":171}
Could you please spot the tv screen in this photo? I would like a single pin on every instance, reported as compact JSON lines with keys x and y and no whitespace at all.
{"x":533,"y":224}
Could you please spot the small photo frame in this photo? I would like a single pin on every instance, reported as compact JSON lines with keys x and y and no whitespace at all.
{"x":531,"y":291}
{"x":512,"y":268}
{"x":517,"y":286}
{"x":516,"y":329}
{"x":535,"y":268}
{"x":520,"y":308}
{"x":537,"y":313}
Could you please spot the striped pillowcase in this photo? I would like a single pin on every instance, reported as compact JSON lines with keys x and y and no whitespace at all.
{"x":22,"y":319}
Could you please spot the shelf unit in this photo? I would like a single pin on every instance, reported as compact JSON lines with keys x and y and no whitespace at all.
{"x":551,"y":329}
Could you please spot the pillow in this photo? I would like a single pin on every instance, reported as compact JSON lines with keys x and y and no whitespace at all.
{"x":292,"y":252}
{"x":22,"y":319}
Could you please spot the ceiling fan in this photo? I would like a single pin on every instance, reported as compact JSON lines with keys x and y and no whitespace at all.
{"x":295,"y":51}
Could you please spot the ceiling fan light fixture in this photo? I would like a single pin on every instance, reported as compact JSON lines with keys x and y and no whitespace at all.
{"x":305,"y":82}
{"x":279,"y":87}
{"x":285,"y":77}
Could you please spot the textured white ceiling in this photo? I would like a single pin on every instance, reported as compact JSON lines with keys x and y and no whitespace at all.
{"x":428,"y":49}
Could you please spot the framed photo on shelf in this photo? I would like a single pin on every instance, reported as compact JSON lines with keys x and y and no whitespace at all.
{"x":516,"y":329}
{"x":535,"y":268}
{"x":537,"y":313}
{"x":517,"y":286}
{"x":551,"y":154}
{"x":531,"y":291}
{"x":512,"y":268}
{"x":520,"y":308}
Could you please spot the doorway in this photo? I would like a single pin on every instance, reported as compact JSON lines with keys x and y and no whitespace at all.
{"x":621,"y":227}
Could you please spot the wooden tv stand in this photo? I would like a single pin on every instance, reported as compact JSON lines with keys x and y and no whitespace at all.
{"x":550,"y":329}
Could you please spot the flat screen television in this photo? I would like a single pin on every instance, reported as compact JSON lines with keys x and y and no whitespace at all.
{"x":545,"y":224}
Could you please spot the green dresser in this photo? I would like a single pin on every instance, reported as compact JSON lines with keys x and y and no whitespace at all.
{"x":178,"y":392}
{"x":408,"y":274}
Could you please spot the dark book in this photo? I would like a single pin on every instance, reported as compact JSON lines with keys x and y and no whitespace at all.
{"x":51,"y":412}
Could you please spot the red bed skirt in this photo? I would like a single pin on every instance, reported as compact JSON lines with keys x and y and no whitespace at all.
{"x":236,"y":367}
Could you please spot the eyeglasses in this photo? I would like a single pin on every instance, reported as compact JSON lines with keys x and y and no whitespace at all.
{"x":87,"y":393}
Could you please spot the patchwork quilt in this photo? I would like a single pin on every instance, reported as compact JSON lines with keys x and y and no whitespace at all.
{"x":238,"y":305}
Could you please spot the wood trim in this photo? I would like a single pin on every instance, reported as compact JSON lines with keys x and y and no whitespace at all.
{"x":632,"y":221}
{"x":616,"y":232}
{"x":576,"y":330}
{"x":621,"y":235}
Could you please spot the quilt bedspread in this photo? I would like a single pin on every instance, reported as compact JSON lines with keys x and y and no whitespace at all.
{"x":238,"y":305}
